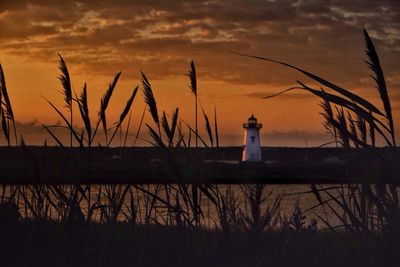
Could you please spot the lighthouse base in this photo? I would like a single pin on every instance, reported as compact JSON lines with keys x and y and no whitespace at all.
{"x":252,"y":163}
{"x":251,"y":154}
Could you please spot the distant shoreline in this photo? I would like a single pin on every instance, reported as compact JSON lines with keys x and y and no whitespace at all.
{"x":56,"y":165}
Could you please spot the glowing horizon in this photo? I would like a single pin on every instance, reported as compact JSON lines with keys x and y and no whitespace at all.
{"x":161,"y":39}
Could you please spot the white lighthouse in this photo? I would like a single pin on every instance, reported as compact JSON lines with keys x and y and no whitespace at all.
{"x":251,"y":142}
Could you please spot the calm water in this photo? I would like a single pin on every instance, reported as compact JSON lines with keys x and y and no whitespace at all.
{"x":100,"y":201}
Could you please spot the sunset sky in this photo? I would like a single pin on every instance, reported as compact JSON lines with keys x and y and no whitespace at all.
{"x":99,"y":38}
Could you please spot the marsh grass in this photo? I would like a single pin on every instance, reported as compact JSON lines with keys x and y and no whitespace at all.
{"x":368,"y":211}
{"x":67,"y":90}
{"x":78,"y":203}
{"x":149,"y":245}
{"x":127,"y":223}
{"x":7,"y":113}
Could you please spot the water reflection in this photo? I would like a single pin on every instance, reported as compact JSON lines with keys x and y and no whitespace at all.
{"x":164,"y":204}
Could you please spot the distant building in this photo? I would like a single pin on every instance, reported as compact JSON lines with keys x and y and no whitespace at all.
{"x":251,"y":142}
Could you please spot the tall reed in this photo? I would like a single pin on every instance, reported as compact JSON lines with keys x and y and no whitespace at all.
{"x":7,"y":113}
{"x":181,"y":204}
{"x":373,"y":206}
{"x":193,"y":87}
{"x":104,"y":104}
{"x":67,"y":90}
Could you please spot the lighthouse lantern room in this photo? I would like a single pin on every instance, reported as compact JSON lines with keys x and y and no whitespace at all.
{"x":251,"y":142}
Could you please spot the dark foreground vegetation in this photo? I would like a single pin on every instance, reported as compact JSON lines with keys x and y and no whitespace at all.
{"x":75,"y":224}
{"x":39,"y":243}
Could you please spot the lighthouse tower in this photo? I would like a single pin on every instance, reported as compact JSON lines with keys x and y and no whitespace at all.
{"x":251,"y":142}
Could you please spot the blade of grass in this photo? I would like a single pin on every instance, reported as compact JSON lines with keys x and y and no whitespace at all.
{"x":155,"y":136}
{"x":4,"y":125}
{"x":124,"y":113}
{"x":375,"y":66}
{"x":127,"y":128}
{"x":66,"y":122}
{"x":340,"y":90}
{"x":216,"y":127}
{"x":140,"y":126}
{"x":84,"y":110}
{"x":105,"y":101}
{"x":343,"y":103}
{"x":7,"y":102}
{"x":52,"y":135}
{"x":208,"y":127}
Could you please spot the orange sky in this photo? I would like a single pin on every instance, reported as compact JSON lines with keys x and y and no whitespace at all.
{"x":162,"y":37}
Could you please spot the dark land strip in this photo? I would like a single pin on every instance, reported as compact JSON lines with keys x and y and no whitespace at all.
{"x":55,"y":165}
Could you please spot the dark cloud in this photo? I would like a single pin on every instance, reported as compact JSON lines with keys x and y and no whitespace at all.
{"x":161,"y":36}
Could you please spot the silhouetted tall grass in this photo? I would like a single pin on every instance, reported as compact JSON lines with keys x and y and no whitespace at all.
{"x":250,"y":221}
{"x":67,"y":90}
{"x":371,"y":210}
{"x":193,"y":87}
{"x":7,"y":113}
{"x":78,"y":203}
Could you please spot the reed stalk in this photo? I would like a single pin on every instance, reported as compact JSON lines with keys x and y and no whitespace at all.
{"x":8,"y":107}
{"x":364,"y":209}
{"x":67,"y":90}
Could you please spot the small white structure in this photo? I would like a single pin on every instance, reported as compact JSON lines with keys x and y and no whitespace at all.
{"x":251,"y":142}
